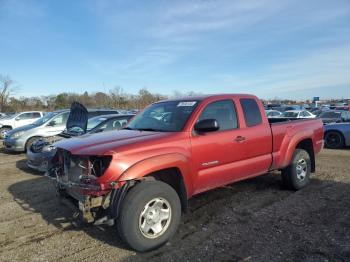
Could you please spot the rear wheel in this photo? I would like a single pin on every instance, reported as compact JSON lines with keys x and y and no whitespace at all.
{"x":149,"y":216}
{"x":297,"y":174}
{"x":334,"y":140}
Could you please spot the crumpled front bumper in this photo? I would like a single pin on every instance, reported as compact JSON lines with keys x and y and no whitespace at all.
{"x":39,"y":161}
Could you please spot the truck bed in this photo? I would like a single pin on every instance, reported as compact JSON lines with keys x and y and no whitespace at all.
{"x":286,"y":130}
{"x":285,"y":119}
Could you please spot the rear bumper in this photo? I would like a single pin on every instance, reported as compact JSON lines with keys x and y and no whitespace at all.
{"x":15,"y":145}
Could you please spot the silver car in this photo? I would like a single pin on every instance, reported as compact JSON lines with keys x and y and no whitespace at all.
{"x":43,"y":150}
{"x":337,"y":135}
{"x":21,"y":138}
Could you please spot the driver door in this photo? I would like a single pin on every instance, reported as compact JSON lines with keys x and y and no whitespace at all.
{"x":57,"y":124}
{"x":216,"y":155}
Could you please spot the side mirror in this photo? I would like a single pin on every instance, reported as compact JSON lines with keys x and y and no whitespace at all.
{"x":206,"y":125}
{"x":17,"y":118}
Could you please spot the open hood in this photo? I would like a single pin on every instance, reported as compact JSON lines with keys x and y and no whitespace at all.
{"x":78,"y":118}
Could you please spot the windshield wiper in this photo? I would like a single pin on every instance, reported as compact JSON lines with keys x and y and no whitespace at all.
{"x":150,"y":129}
{"x":143,"y":129}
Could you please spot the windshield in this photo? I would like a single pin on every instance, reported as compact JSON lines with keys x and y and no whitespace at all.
{"x":94,"y":121}
{"x":169,"y":116}
{"x":330,"y":115}
{"x":45,"y":118}
{"x":290,"y":114}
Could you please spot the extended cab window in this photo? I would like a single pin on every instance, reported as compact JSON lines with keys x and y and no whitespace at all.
{"x":251,"y":111}
{"x":223,"y":112}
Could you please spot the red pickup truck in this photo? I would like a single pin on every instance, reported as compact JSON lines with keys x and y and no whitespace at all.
{"x":141,"y":178}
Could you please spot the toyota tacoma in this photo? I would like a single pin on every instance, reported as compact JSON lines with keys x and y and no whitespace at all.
{"x":140,"y":178}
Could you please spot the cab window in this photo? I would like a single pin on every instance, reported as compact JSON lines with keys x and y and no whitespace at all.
{"x":251,"y":111}
{"x":223,"y":112}
{"x":60,"y":120}
{"x":25,"y":116}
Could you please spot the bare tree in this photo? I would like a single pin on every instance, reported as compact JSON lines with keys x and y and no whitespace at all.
{"x":117,"y":96}
{"x":6,"y":90}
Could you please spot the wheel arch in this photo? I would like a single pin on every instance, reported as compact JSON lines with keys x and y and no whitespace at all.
{"x":26,"y":143}
{"x":303,"y":140}
{"x":173,"y":177}
{"x":172,"y":169}
{"x":307,"y":145}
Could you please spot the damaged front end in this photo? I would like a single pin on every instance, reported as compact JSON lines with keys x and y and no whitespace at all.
{"x":76,"y":180}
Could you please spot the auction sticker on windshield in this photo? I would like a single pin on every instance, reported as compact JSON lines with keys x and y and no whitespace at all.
{"x":187,"y":103}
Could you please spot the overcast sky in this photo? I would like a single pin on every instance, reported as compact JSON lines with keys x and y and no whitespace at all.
{"x":271,"y":48}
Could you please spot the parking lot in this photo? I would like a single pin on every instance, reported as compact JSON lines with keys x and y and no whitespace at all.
{"x":254,"y":220}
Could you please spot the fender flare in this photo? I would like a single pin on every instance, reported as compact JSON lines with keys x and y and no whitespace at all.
{"x":293,"y":145}
{"x":160,"y":162}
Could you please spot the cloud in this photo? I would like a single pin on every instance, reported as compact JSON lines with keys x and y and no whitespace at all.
{"x":196,"y":17}
{"x":323,"y":68}
{"x":306,"y":44}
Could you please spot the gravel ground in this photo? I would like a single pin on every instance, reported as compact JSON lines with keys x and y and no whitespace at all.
{"x":253,"y":220}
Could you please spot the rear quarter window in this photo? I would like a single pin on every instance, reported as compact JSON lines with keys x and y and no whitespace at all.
{"x":251,"y":111}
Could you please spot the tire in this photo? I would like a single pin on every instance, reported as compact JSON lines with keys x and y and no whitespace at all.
{"x":138,"y":207}
{"x":297,"y":175}
{"x":29,"y":143}
{"x":334,"y":140}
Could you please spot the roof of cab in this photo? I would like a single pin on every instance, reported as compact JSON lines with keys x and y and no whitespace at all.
{"x":203,"y":97}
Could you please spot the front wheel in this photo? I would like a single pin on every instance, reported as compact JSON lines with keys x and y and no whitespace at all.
{"x":149,"y":216}
{"x":30,"y":142}
{"x":297,"y":174}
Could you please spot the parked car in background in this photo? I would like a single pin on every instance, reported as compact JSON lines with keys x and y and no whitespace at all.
{"x":272,"y":106}
{"x":42,"y":150}
{"x":53,"y":123}
{"x":337,"y":135}
{"x":17,"y":120}
{"x":339,"y":106}
{"x":335,"y":116}
{"x":141,"y":177}
{"x":346,"y":107}
{"x":316,"y":111}
{"x":293,"y":107}
{"x":21,"y":138}
{"x":273,"y":113}
{"x":297,"y":114}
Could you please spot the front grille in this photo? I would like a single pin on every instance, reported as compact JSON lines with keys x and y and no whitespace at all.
{"x":72,"y":169}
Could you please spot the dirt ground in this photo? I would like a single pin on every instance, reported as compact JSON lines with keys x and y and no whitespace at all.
{"x":254,"y":220}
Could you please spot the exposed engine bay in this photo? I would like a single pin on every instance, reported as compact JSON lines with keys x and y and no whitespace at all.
{"x":76,"y":183}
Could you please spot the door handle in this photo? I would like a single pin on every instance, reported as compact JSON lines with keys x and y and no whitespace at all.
{"x":239,"y":138}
